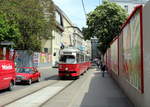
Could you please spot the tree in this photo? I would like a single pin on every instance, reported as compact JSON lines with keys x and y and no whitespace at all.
{"x":8,"y":31}
{"x":105,"y":23}
{"x":35,"y":19}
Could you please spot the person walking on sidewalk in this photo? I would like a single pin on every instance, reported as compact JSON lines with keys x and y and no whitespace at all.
{"x":103,"y":68}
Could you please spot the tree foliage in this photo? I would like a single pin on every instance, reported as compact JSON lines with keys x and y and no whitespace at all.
{"x":105,"y":23}
{"x":8,"y":31}
{"x":35,"y":19}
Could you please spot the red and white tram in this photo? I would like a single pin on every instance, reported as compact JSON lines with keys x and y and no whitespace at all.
{"x":73,"y":62}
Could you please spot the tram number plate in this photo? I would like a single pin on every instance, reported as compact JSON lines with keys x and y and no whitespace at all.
{"x":18,"y":80}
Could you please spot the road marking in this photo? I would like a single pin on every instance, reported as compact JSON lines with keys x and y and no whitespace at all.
{"x":39,"y":97}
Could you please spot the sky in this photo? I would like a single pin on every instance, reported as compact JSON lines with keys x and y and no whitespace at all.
{"x":74,"y":10}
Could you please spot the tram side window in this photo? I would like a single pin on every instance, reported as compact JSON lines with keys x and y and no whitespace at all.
{"x":82,"y":58}
{"x":67,"y":59}
{"x":85,"y":58}
{"x":78,"y":58}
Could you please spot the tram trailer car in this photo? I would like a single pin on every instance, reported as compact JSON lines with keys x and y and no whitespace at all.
{"x":72,"y":63}
{"x":7,"y":74}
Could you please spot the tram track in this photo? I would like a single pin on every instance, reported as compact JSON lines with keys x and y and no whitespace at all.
{"x":18,"y":94}
{"x":66,"y":96}
{"x":28,"y":94}
{"x":57,"y":93}
{"x":36,"y":91}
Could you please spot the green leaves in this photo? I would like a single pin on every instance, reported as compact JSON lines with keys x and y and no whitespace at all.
{"x":34,"y":20}
{"x":8,"y":31}
{"x":105,"y":23}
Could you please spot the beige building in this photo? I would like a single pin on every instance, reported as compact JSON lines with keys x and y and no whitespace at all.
{"x":67,"y":34}
{"x":129,"y":5}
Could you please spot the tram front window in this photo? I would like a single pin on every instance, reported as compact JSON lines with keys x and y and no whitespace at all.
{"x":67,"y":59}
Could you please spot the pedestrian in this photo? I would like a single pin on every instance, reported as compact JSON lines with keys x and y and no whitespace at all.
{"x":103,"y":68}
{"x":98,"y":63}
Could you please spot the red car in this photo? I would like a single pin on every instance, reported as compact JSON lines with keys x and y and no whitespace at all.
{"x":27,"y":75}
{"x":7,"y":74}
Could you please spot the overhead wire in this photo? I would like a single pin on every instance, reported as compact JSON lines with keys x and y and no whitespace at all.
{"x":84,"y":9}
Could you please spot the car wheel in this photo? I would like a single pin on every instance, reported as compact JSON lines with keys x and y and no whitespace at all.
{"x":30,"y":81}
{"x":61,"y":77}
{"x":39,"y":79}
{"x":11,"y":86}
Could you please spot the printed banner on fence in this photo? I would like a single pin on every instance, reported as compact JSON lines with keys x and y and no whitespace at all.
{"x":114,"y":56}
{"x":132,"y":51}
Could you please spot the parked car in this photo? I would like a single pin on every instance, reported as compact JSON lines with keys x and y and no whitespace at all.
{"x":7,"y":74}
{"x":27,"y":75}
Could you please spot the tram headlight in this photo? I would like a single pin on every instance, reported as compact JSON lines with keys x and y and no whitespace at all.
{"x":66,"y":69}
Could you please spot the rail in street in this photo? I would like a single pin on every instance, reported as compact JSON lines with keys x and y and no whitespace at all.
{"x":39,"y":97}
{"x":25,"y":90}
{"x":91,"y":89}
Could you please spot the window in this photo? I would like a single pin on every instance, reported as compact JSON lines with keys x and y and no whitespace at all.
{"x":78,"y":58}
{"x":46,"y":50}
{"x":67,"y":59}
{"x":54,"y":54}
{"x":59,"y":18}
{"x":126,"y":7}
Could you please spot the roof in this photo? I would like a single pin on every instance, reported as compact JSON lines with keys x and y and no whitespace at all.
{"x":70,"y":49}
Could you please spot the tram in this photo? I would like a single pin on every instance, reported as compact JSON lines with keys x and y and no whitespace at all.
{"x":73,"y":63}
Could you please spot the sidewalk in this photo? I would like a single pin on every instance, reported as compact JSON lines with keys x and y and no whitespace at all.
{"x":102,"y":92}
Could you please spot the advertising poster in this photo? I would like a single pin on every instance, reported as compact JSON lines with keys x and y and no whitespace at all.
{"x":114,"y":56}
{"x":49,"y":57}
{"x":36,"y":58}
{"x":105,"y":58}
{"x":121,"y":55}
{"x":109,"y":58}
{"x":43,"y":58}
{"x":132,"y":51}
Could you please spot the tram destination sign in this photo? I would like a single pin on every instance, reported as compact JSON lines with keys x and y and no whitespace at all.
{"x":67,"y":52}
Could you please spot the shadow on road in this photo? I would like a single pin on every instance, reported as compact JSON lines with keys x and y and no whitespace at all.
{"x":3,"y":91}
{"x":54,"y":77}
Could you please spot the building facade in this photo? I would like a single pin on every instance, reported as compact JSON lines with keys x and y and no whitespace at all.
{"x":57,"y":40}
{"x":67,"y":34}
{"x":129,"y":5}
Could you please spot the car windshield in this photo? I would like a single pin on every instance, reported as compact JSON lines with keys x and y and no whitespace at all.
{"x":67,"y":59}
{"x":24,"y":70}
